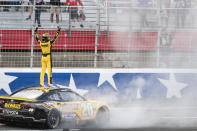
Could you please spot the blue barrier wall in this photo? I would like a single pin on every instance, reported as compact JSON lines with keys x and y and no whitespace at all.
{"x":121,"y":83}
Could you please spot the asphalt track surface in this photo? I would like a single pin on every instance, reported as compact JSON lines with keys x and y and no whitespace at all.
{"x":141,"y":119}
{"x":23,"y":128}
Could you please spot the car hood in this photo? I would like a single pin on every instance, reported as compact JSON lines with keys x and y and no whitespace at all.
{"x":15,"y":98}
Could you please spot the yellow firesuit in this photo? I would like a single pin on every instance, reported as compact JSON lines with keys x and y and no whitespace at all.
{"x":46,"y":59}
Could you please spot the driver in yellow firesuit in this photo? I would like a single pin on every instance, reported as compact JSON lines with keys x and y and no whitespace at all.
{"x":46,"y":60}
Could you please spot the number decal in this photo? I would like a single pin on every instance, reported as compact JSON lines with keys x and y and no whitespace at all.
{"x":87,"y":109}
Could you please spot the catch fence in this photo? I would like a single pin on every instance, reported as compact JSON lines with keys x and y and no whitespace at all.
{"x":113,"y":34}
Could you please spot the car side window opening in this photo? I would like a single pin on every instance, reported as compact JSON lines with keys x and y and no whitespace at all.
{"x":51,"y":96}
{"x":70,"y":96}
{"x":54,"y":97}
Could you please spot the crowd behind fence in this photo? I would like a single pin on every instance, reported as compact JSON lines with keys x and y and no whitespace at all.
{"x":108,"y":33}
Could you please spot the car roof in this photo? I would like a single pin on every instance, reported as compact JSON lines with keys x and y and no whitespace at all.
{"x":46,"y":89}
{"x":43,"y":89}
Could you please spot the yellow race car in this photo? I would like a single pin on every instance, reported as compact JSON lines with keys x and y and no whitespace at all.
{"x":51,"y":106}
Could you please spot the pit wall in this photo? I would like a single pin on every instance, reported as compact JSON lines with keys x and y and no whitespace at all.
{"x":126,"y":84}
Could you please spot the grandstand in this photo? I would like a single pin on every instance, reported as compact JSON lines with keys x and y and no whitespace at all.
{"x":113,"y":36}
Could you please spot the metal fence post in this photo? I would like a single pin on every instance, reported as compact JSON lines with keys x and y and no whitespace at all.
{"x":97,"y":35}
{"x":130,"y":27}
{"x":32,"y":35}
{"x":107,"y":13}
{"x":159,"y":35}
{"x":69,"y":23}
{"x":1,"y":45}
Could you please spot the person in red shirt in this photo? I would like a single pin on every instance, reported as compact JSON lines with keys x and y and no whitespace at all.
{"x":73,"y":9}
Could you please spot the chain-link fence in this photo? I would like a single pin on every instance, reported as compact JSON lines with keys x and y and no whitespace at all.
{"x":102,"y":34}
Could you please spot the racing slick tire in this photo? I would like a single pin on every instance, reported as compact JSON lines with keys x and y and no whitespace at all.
{"x":53,"y":119}
{"x":102,"y":118}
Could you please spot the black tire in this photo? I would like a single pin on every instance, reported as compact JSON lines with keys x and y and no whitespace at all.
{"x":53,"y":119}
{"x":102,"y":118}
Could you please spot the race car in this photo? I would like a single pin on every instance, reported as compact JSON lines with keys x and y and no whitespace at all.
{"x":51,"y":106}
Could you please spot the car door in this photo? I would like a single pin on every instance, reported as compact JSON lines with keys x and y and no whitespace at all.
{"x":52,"y":100}
{"x":76,"y":105}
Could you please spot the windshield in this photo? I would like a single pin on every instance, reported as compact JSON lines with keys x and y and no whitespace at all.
{"x":29,"y":93}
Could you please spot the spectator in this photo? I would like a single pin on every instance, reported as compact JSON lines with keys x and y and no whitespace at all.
{"x":143,"y":5}
{"x":1,"y":3}
{"x":38,"y":12}
{"x":165,"y":13}
{"x":181,"y":13}
{"x":166,"y":38}
{"x":5,"y":8}
{"x":55,"y":7}
{"x":143,"y":12}
{"x":30,"y":3}
{"x":189,"y":3}
{"x":73,"y":9}
{"x":82,"y":15}
{"x":191,"y":13}
{"x":16,"y":3}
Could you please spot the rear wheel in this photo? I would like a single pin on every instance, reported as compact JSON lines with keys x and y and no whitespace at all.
{"x":102,"y":118}
{"x":53,"y":119}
